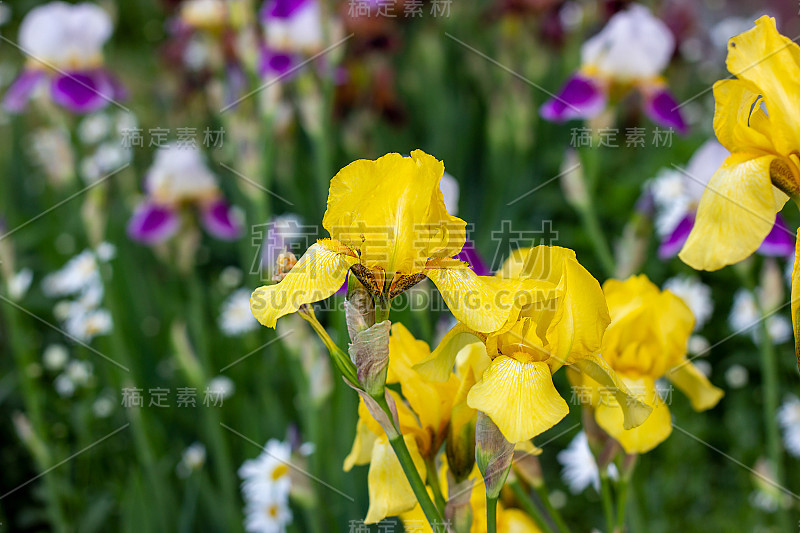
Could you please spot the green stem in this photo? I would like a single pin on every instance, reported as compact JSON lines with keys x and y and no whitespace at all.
{"x":382,"y":308}
{"x":541,"y":490}
{"x":414,"y":479}
{"x":608,"y":506}
{"x":622,"y":500}
{"x":769,"y":368}
{"x":529,"y":507}
{"x":491,"y":515}
{"x":433,"y":482}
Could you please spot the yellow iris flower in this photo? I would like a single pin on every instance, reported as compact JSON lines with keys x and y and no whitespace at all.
{"x":388,"y":223}
{"x":756,"y":118}
{"x":561,"y":322}
{"x":646,"y":341}
{"x":423,"y":414}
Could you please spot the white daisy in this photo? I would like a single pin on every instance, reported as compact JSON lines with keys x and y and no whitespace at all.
{"x":79,"y":273}
{"x":80,"y":372}
{"x":19,"y":283}
{"x":580,"y":468}
{"x":103,"y":407}
{"x":695,"y":294}
{"x":236,"y":317}
{"x":268,"y":474}
{"x":737,"y":377}
{"x":789,"y":419}
{"x":269,"y":515}
{"x":89,"y":324}
{"x":64,"y":386}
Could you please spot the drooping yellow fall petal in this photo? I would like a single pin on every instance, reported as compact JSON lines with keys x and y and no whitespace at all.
{"x":736,"y":212}
{"x":392,"y":211}
{"x":439,"y":365}
{"x":361,"y":452}
{"x":645,"y":437}
{"x":485,"y":304}
{"x":316,"y":276}
{"x":795,"y":302}
{"x":389,"y":491}
{"x":519,"y":397}
{"x":771,"y":62}
{"x":634,"y":410}
{"x":695,"y":385}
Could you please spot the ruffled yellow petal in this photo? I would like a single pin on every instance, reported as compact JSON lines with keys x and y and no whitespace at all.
{"x":695,"y":385}
{"x":316,"y":276}
{"x":795,"y":302}
{"x":439,"y":365}
{"x":737,"y":210}
{"x":361,"y":452}
{"x":519,"y":397}
{"x":389,"y":491}
{"x":540,"y":262}
{"x":771,"y":62}
{"x":645,"y":437}
{"x":392,"y":211}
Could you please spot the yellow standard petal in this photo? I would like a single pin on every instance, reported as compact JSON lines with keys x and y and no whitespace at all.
{"x":316,"y":276}
{"x":648,"y":435}
{"x":389,"y":491}
{"x":519,"y":396}
{"x":695,"y":385}
{"x":737,"y":210}
{"x":771,"y":62}
{"x":392,"y":211}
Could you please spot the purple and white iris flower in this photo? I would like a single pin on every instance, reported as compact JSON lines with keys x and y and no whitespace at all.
{"x":178,"y":178}
{"x":629,"y":53}
{"x":677,"y":193}
{"x":64,"y":44}
{"x":292,"y":29}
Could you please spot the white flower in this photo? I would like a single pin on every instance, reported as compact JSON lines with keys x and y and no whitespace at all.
{"x":80,"y":372}
{"x":106,"y":252}
{"x":580,"y":468}
{"x":94,"y":128}
{"x":79,"y":273}
{"x":64,"y":386}
{"x":737,"y":377}
{"x":180,"y":174}
{"x":55,"y":356}
{"x":450,"y":191}
{"x":269,"y":515}
{"x":301,"y":31}
{"x":236,"y":317}
{"x":222,"y":387}
{"x":193,"y":458}
{"x":267,"y":476}
{"x":789,"y":419}
{"x":89,"y":324}
{"x":230,"y":277}
{"x":19,"y":283}
{"x":695,"y":294}
{"x":103,"y":407}
{"x":634,"y":45}
{"x":746,"y":318}
{"x":698,"y":345}
{"x":70,"y":36}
